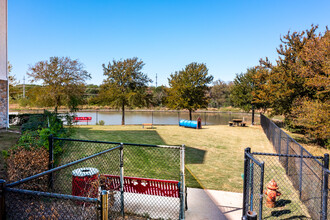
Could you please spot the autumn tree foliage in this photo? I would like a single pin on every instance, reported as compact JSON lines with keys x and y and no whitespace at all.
{"x":242,"y":92}
{"x":298,"y":85}
{"x":188,"y":88}
{"x":63,"y":81}
{"x":125,"y":85}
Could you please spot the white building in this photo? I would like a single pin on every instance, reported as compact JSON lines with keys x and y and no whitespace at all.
{"x":4,"y":89}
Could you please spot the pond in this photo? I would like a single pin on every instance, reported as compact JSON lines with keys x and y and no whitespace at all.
{"x":163,"y":117}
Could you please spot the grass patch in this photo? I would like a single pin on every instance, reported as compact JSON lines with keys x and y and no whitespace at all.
{"x":288,"y":205}
{"x":214,"y":154}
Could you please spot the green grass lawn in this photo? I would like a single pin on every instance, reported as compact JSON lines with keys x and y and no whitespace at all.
{"x":214,"y":154}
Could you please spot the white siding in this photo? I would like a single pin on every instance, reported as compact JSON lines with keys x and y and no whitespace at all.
{"x":3,"y":39}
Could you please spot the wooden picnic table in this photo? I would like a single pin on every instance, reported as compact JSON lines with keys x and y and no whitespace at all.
{"x":237,"y":122}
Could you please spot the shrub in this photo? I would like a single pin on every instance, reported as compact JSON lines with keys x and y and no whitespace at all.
{"x":101,"y":122}
{"x":29,"y":139}
{"x":34,"y":123}
{"x":38,"y":128}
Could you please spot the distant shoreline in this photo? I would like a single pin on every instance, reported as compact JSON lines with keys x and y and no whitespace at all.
{"x":20,"y":111}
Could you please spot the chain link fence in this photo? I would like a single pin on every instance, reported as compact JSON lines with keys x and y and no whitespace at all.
{"x":253,"y":184}
{"x":302,"y":177}
{"x":137,"y":182}
{"x":290,"y":200}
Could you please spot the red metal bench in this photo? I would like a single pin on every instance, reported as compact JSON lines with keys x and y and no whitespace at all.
{"x":155,"y":187}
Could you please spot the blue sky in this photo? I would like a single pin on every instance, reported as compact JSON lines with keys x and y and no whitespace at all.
{"x":228,"y":36}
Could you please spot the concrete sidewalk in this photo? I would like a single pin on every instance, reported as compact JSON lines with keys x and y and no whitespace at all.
{"x":213,"y":205}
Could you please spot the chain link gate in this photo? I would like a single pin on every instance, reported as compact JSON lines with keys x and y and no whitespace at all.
{"x":133,"y":181}
{"x":302,"y":186}
{"x":253,"y":185}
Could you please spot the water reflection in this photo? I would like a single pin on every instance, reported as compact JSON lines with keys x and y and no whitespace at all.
{"x":162,"y":118}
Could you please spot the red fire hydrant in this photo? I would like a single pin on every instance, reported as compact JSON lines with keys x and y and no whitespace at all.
{"x":271,"y":193}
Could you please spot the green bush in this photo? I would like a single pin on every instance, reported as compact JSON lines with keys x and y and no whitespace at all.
{"x":34,"y":123}
{"x":36,"y":131}
{"x":101,"y":122}
{"x":29,"y":139}
{"x":5,"y":154}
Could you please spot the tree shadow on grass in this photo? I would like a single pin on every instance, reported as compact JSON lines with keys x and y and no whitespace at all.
{"x":193,"y":155}
{"x":125,"y":136}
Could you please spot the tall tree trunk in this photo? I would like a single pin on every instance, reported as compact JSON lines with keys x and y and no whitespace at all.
{"x":123,"y":114}
{"x":190,"y":114}
{"x":57,"y":101}
{"x":252,"y":114}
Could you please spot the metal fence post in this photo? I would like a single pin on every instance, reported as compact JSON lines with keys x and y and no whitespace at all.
{"x":325,"y":187}
{"x":122,"y":179}
{"x":104,"y":205}
{"x":152,"y":118}
{"x":51,"y":160}
{"x":261,"y":188}
{"x":245,"y":191}
{"x":2,"y":200}
{"x":183,"y":185}
{"x":251,"y":179}
{"x":279,"y":144}
{"x":287,"y":158}
{"x":272,"y":133}
{"x":301,"y":172}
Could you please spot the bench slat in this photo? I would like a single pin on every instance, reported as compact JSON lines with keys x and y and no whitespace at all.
{"x":168,"y":188}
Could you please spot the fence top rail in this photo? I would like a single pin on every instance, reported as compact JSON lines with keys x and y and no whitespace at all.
{"x":289,"y":137}
{"x":110,"y":142}
{"x":326,"y":170}
{"x":254,"y":159}
{"x":61,"y":167}
{"x":52,"y":195}
{"x":287,"y":155}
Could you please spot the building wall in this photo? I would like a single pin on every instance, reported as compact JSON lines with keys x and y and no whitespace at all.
{"x":3,"y":39}
{"x":3,"y":65}
{"x":3,"y":103}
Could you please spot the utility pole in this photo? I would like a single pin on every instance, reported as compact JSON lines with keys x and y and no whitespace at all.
{"x":23,"y":86}
{"x":156,"y":80}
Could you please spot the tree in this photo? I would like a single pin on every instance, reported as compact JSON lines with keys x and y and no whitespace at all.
{"x":11,"y":78}
{"x":188,"y":88}
{"x":91,"y":93}
{"x":241,"y":91}
{"x":220,"y":94}
{"x":63,"y":80}
{"x":314,"y":117}
{"x":298,"y":85}
{"x":125,"y":85}
{"x":159,"y":95}
{"x":284,"y":82}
